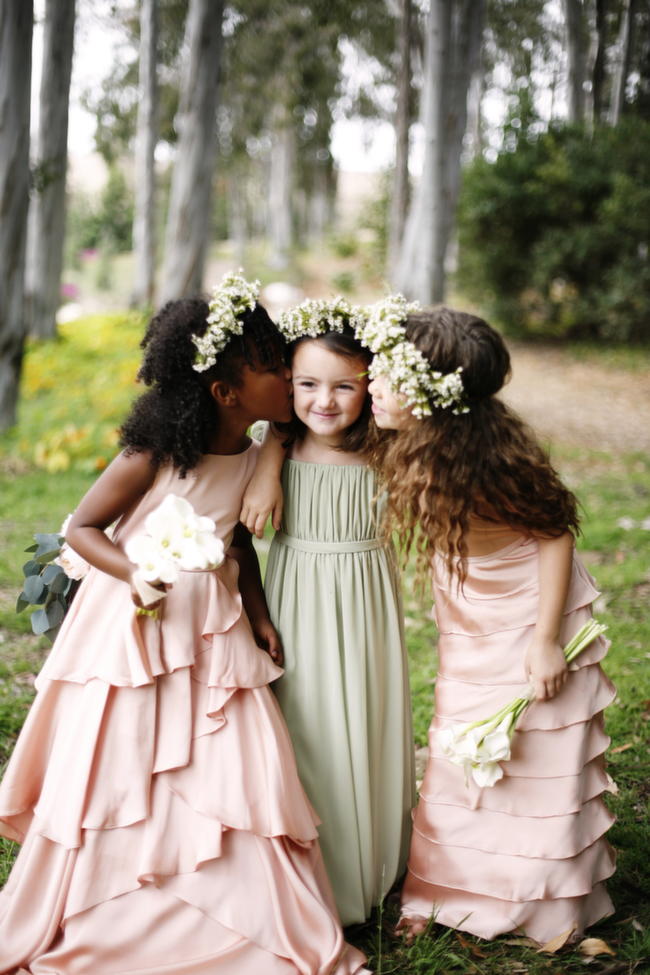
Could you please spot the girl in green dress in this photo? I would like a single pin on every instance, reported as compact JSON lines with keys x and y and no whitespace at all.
{"x":334,"y":595}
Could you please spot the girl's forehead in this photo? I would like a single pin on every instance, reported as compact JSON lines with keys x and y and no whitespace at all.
{"x":316,"y":359}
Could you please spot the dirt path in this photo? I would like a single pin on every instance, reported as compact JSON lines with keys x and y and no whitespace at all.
{"x":580,"y":403}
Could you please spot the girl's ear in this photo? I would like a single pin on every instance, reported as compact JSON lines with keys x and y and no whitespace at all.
{"x":223,"y":393}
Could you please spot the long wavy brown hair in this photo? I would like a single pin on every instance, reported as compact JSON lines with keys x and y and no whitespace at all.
{"x":444,"y":468}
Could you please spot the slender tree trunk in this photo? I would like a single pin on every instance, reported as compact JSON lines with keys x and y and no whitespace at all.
{"x":622,"y":67}
{"x":188,"y":223}
{"x":237,"y":230}
{"x":319,"y":202}
{"x":576,"y":53}
{"x":47,"y":212}
{"x":400,"y":194}
{"x":598,"y":70}
{"x":454,"y":31}
{"x":16,"y":21}
{"x":144,"y":227}
{"x":280,"y":191}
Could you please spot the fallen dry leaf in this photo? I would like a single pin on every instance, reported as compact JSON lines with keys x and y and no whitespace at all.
{"x":472,"y":948}
{"x":591,"y":947}
{"x":611,"y":785}
{"x":556,"y":943}
{"x":637,"y":925}
{"x":621,"y":748}
{"x":520,"y":942}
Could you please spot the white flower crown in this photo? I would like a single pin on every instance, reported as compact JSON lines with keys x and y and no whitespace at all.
{"x":229,"y":300}
{"x":316,"y":316}
{"x":407,"y":370}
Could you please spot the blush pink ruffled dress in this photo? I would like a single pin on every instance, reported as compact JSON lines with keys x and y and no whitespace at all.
{"x":529,"y":853}
{"x":154,"y":789}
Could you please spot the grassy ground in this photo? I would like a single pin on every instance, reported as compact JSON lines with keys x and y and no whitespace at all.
{"x":76,"y":390}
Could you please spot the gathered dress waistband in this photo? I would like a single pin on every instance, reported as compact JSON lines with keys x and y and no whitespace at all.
{"x":333,"y":548}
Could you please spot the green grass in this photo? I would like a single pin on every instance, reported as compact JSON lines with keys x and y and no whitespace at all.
{"x":93,"y":390}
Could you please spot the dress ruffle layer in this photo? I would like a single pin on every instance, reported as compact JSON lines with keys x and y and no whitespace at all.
{"x":155,"y":792}
{"x":528,"y":854}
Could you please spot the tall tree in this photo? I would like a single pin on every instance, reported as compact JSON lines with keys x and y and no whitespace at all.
{"x":576,"y":38}
{"x":16,"y":20}
{"x":144,"y":230}
{"x":48,"y":205}
{"x":400,"y":192}
{"x":453,"y":35}
{"x":188,"y":223}
{"x":622,"y":59}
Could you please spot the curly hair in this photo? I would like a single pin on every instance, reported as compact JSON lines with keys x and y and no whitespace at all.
{"x":355,"y":437}
{"x":445,"y":467}
{"x":176,"y":418}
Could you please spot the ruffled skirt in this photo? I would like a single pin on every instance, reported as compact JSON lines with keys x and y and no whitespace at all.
{"x":529,"y":853}
{"x":155,"y":793}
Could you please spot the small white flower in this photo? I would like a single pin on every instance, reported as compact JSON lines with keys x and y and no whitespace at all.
{"x":487,"y":774}
{"x":229,"y":300}
{"x":316,"y":316}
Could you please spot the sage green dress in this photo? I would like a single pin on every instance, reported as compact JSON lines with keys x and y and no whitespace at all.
{"x":334,"y":594}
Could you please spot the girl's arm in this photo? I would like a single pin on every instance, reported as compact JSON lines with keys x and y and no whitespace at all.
{"x":252,"y":593}
{"x":123,"y":483}
{"x":263,"y":496}
{"x":544,"y":658}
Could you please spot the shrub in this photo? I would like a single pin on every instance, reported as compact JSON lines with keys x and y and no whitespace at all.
{"x":554,"y":235}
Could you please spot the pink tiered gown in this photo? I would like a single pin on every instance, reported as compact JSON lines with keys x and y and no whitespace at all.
{"x":154,"y":787}
{"x":529,"y":853}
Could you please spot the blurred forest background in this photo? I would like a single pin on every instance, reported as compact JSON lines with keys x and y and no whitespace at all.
{"x":519,"y":166}
{"x":502,"y":163}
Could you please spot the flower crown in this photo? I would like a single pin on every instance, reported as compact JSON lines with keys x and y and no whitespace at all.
{"x":407,"y":370}
{"x":316,"y":316}
{"x":229,"y":300}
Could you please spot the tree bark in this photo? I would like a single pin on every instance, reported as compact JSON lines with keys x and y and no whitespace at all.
{"x":144,"y":228}
{"x":188,"y":224}
{"x":598,"y":70}
{"x":16,"y":21}
{"x":576,"y":53}
{"x":454,"y":31}
{"x":46,"y":227}
{"x":400,"y":194}
{"x":622,"y":66}
{"x":280,"y":191}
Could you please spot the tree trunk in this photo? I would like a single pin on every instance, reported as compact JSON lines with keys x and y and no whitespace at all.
{"x":237,"y":224}
{"x":280,"y":192}
{"x":400,"y":194}
{"x":144,"y":227}
{"x":16,"y":20}
{"x":188,"y":223}
{"x":598,"y":70}
{"x":622,"y":66}
{"x":47,"y":212}
{"x":454,"y":32}
{"x":576,"y":53}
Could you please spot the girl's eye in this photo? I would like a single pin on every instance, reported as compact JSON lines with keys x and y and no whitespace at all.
{"x":305,"y":384}
{"x":346,"y":387}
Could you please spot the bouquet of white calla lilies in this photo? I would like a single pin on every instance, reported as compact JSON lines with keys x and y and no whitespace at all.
{"x":479,"y":747}
{"x":175,"y":539}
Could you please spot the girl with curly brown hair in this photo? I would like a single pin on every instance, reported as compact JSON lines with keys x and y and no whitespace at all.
{"x":154,"y":788}
{"x":471,"y":488}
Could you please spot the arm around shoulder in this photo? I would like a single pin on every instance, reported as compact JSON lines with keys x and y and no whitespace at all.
{"x":263,"y":496}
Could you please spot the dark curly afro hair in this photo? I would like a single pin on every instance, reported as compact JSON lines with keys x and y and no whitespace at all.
{"x":176,"y":418}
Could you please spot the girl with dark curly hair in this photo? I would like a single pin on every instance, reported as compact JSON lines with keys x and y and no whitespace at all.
{"x":154,"y":788}
{"x":471,"y":488}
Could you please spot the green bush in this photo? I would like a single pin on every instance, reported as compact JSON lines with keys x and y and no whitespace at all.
{"x":554,"y":235}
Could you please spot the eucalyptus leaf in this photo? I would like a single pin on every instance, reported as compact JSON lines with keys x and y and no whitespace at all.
{"x":32,"y":568}
{"x":32,"y":548}
{"x":40,"y":622}
{"x":22,"y":603}
{"x":34,"y":589}
{"x":47,"y":555}
{"x":60,"y":582}
{"x":55,"y":613}
{"x":50,"y":572}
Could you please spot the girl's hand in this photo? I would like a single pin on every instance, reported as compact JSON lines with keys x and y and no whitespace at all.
{"x":267,"y":638}
{"x":546,"y":667}
{"x":263,"y":497}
